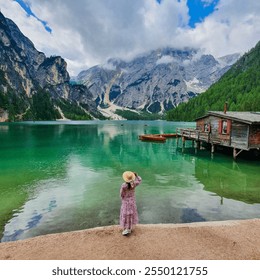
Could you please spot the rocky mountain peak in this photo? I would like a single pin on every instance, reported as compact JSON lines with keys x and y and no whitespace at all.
{"x":154,"y":82}
{"x":28,"y":77}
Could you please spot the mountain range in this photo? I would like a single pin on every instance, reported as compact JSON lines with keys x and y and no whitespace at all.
{"x":154,"y":82}
{"x":36,"y":87}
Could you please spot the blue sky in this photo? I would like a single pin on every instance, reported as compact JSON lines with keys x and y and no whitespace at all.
{"x":29,"y":12}
{"x":89,"y":32}
{"x":199,"y":10}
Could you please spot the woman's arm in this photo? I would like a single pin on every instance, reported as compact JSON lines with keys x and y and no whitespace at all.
{"x":138,"y":179}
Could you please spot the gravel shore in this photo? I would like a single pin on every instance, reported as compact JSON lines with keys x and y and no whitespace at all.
{"x":228,"y":240}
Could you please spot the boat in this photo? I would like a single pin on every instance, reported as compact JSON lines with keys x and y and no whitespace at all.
{"x":157,"y":137}
{"x":152,"y":137}
{"x":168,"y":135}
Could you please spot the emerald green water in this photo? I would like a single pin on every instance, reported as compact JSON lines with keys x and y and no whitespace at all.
{"x":63,"y":176}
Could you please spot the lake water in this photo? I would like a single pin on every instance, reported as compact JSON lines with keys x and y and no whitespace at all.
{"x":64,"y":176}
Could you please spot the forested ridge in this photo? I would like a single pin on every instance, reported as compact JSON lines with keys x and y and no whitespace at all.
{"x":239,"y":87}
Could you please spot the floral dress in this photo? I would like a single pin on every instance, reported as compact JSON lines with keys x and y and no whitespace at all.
{"x":128,"y":211}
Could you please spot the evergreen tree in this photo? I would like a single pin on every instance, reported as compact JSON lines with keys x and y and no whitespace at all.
{"x":240,"y":87}
{"x":43,"y":107}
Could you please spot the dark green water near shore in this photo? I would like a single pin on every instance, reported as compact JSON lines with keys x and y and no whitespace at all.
{"x":63,"y":176}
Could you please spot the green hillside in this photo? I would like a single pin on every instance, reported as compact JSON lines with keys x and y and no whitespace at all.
{"x":239,"y":87}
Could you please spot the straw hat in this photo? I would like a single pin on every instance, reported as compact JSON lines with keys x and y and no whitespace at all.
{"x":128,"y":176}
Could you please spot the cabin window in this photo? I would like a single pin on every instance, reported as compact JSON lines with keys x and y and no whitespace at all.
{"x":224,"y":127}
{"x":206,"y":127}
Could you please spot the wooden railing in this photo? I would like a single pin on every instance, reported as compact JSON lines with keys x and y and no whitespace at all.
{"x":193,"y":134}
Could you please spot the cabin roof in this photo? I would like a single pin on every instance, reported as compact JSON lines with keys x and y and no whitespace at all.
{"x":244,"y":117}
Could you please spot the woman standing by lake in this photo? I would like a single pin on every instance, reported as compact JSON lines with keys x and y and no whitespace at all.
{"x":128,"y":211}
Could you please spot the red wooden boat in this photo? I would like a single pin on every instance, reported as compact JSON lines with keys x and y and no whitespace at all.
{"x":152,"y":137}
{"x":167,"y":135}
{"x":157,"y":137}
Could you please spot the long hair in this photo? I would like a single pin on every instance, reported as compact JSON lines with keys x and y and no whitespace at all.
{"x":129,"y":185}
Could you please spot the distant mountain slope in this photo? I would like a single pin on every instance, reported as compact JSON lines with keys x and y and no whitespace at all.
{"x":240,"y":87}
{"x":36,"y":87}
{"x":154,"y":82}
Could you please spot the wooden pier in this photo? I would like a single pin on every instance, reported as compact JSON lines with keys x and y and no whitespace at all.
{"x":237,"y":130}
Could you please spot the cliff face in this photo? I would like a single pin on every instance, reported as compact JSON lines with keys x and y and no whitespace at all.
{"x":33,"y":86}
{"x":157,"y":81}
{"x":24,"y":72}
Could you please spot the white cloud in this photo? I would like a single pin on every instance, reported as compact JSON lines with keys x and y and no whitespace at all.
{"x":233,"y":27}
{"x":195,"y":57}
{"x":165,"y":59}
{"x":108,"y":66}
{"x":87,"y":32}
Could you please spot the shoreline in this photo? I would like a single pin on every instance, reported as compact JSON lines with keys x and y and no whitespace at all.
{"x":220,"y":240}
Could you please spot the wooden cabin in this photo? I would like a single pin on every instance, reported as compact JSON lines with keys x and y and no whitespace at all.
{"x":237,"y":130}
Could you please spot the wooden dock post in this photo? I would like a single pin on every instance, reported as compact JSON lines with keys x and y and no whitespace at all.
{"x":234,"y":154}
{"x":183,"y":143}
{"x":212,"y":150}
{"x":196,"y":146}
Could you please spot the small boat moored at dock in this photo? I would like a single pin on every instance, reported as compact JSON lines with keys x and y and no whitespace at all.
{"x":167,"y":135}
{"x":157,"y":137}
{"x":152,"y":137}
